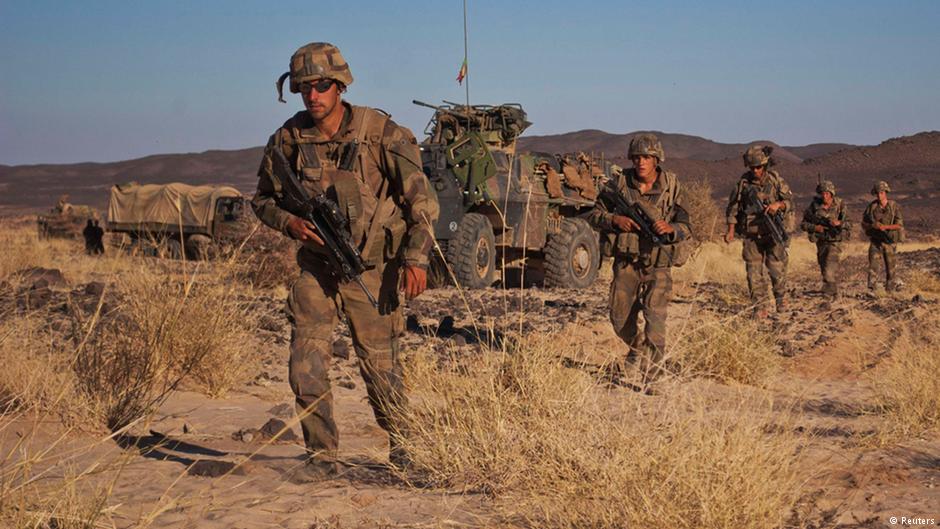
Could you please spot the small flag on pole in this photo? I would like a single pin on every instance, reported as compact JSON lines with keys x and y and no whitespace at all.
{"x":462,"y":73}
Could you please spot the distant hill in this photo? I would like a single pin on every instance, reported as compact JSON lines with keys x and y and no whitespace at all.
{"x":910,"y":163}
{"x":615,"y":145}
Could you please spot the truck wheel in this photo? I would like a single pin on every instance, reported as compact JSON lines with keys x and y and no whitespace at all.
{"x":174,"y":250}
{"x":471,"y":254}
{"x":198,"y":247}
{"x":572,"y":255}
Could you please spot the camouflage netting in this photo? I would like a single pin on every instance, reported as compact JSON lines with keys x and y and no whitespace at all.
{"x":136,"y":207}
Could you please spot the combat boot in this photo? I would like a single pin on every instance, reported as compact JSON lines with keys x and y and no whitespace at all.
{"x":313,"y":471}
{"x":782,"y":304}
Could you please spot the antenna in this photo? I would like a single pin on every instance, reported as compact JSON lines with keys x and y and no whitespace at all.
{"x":465,"y":61}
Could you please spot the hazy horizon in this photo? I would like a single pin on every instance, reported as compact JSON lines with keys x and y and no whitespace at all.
{"x":114,"y":81}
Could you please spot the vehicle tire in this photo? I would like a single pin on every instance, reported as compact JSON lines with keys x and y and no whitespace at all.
{"x":198,"y":247}
{"x":572,"y":256}
{"x":471,"y":253}
{"x":174,"y":250}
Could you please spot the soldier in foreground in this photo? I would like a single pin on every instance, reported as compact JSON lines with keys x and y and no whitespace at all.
{"x":756,"y":212}
{"x":825,"y":222}
{"x":884,"y":227}
{"x":642,"y":209}
{"x":371,"y":167}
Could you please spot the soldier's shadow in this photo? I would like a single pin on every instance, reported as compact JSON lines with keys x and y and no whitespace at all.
{"x":446,"y":329}
{"x":160,"y":447}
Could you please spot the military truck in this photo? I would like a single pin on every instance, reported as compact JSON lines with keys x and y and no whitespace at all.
{"x":179,"y":217}
{"x":65,"y":220}
{"x":499,"y":206}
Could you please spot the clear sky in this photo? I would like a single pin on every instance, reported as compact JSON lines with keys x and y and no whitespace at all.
{"x":107,"y":80}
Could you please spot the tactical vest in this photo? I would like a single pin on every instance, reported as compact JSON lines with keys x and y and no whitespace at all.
{"x":632,"y":247}
{"x":768,"y":191}
{"x":888,"y":215}
{"x":833,"y":213}
{"x":375,"y":220}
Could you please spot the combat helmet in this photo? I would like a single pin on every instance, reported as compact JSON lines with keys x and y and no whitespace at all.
{"x":317,"y":60}
{"x":758,"y":155}
{"x":826,"y":186}
{"x":880,"y":186}
{"x":647,"y":144}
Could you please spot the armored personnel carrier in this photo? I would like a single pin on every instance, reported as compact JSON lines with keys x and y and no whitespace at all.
{"x":502,"y":207}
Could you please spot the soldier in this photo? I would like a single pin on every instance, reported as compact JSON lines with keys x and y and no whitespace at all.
{"x":89,"y":235}
{"x":642,"y":271}
{"x":760,"y":248}
{"x":825,"y":222}
{"x":97,"y":239}
{"x":884,"y":227}
{"x":63,"y":206}
{"x":391,"y":210}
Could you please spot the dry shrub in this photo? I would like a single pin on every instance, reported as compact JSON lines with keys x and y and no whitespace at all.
{"x":729,"y":349}
{"x":708,"y":220}
{"x":923,"y":282}
{"x":22,"y":249}
{"x":557,"y":450}
{"x":33,"y":377}
{"x":266,"y":258}
{"x":906,"y":384}
{"x":713,"y":262}
{"x":165,"y":329}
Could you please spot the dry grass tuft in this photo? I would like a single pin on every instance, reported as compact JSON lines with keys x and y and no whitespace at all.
{"x":730,"y":349}
{"x":164,"y":330}
{"x":558,"y":450}
{"x":907,"y":388}
{"x":708,"y":220}
{"x":923,"y":282}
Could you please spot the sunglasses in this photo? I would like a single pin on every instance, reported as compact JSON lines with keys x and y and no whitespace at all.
{"x":320,"y":86}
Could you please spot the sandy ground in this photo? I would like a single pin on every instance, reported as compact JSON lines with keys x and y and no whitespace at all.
{"x":204,"y":463}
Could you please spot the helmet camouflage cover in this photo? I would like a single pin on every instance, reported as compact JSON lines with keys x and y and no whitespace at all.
{"x":826,"y":186}
{"x":757,"y":155}
{"x":647,"y":144}
{"x":314,"y":61}
{"x":880,"y":186}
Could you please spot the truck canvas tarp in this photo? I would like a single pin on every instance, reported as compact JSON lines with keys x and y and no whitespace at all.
{"x":165,"y":207}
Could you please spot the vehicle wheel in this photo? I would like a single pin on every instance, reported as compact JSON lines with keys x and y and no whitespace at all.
{"x":174,"y":250}
{"x":471,"y":254}
{"x":572,"y":256}
{"x":198,"y":247}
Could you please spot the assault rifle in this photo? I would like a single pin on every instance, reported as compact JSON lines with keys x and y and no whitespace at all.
{"x":326,"y":217}
{"x":633,"y":210}
{"x":829,"y":228}
{"x":753,"y":205}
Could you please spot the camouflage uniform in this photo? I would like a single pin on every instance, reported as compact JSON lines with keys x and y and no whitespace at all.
{"x":642,"y":272}
{"x":760,"y":249}
{"x":829,"y":241}
{"x":391,"y":210}
{"x":883,"y":248}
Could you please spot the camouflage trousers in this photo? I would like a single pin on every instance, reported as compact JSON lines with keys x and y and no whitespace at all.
{"x":315,"y":301}
{"x":829,"y":255}
{"x":881,"y":260}
{"x":760,"y":253}
{"x":635,"y":289}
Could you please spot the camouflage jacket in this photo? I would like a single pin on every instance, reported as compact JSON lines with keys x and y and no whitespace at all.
{"x":771,"y":188}
{"x":664,"y":200}
{"x":817,"y":214}
{"x":890,"y":214}
{"x":386,"y":196}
